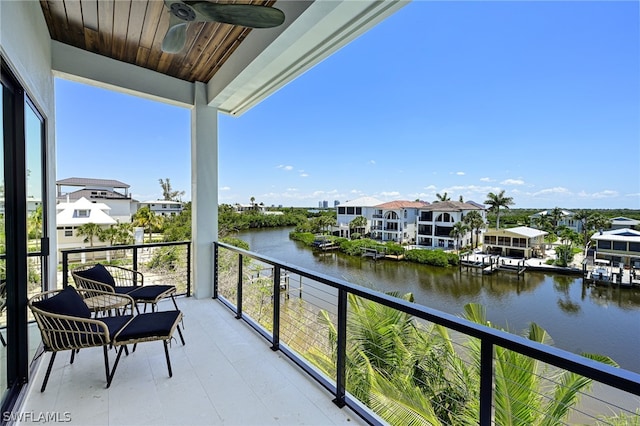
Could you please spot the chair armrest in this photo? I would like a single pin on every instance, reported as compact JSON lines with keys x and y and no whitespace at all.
{"x":103,"y":301}
{"x":125,"y":277}
{"x":63,"y":332}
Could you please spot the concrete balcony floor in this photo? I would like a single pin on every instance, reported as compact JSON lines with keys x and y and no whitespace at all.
{"x":226,"y":374}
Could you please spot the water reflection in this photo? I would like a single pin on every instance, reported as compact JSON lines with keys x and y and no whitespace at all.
{"x":579,"y":318}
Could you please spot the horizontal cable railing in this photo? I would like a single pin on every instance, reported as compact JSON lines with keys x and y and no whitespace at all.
{"x":394,"y":361}
{"x":161,"y":263}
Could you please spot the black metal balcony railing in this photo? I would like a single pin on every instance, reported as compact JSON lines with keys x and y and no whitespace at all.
{"x":284,"y":303}
{"x":159,"y":262}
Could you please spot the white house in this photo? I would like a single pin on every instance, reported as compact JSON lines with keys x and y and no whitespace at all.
{"x":520,"y":241}
{"x":567,"y":219}
{"x":618,"y":246}
{"x":111,"y":192}
{"x":363,"y":206}
{"x":396,"y":221}
{"x":77,"y":213}
{"x":163,"y":207}
{"x":624,"y":222}
{"x":435,"y":222}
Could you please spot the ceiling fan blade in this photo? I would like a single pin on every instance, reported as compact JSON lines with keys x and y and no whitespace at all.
{"x":176,"y":35}
{"x":246,"y":15}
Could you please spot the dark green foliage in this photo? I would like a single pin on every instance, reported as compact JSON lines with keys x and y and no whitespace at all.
{"x":178,"y":227}
{"x":306,"y":237}
{"x":433,"y":257}
{"x":236,"y":242}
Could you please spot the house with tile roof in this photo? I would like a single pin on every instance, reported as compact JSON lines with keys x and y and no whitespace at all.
{"x":113,"y":193}
{"x":396,"y":221}
{"x":435,"y":222}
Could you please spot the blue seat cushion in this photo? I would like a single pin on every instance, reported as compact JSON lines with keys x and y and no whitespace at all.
{"x":98,"y":273}
{"x":150,"y":292}
{"x":125,"y":289}
{"x":114,"y":324}
{"x":67,"y":302}
{"x":153,"y":324}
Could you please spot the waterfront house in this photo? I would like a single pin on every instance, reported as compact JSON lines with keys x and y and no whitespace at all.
{"x":618,"y":246}
{"x":396,"y":221}
{"x":520,"y":241}
{"x":111,"y":192}
{"x":435,"y":222}
{"x":567,"y":218}
{"x":346,"y":212}
{"x":621,"y":222}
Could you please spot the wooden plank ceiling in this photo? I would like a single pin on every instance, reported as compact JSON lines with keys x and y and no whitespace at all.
{"x":132,"y":31}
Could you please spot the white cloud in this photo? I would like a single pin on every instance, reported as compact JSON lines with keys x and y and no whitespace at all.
{"x":430,"y":188}
{"x":512,"y":182}
{"x":486,"y":179}
{"x":225,"y":188}
{"x":304,"y":174}
{"x":555,"y":190}
{"x":283,"y":167}
{"x":460,"y":173}
{"x":390,"y":194}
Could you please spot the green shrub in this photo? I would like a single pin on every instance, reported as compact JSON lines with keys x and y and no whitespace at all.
{"x":432,"y":257}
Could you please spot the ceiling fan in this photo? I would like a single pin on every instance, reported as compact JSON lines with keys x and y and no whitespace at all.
{"x":184,"y":12}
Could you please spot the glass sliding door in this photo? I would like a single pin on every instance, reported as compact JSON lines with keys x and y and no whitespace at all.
{"x":3,"y":274}
{"x":24,"y":244}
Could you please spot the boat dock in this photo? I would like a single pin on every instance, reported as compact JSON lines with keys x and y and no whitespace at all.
{"x":375,"y":254}
{"x":489,"y":263}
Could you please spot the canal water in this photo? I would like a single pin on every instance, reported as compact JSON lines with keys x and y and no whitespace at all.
{"x":580,"y":319}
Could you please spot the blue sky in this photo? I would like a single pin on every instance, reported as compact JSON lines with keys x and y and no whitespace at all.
{"x":541,"y":99}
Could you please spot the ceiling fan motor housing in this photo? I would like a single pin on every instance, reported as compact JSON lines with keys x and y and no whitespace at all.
{"x":183,"y":11}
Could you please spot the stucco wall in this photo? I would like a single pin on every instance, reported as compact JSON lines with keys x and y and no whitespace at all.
{"x":26,"y":47}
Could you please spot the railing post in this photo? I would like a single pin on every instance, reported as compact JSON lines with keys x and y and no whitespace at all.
{"x":275,"y":344}
{"x":486,"y":382}
{"x":65,"y":269}
{"x":341,"y":361}
{"x":189,"y":269}
{"x":135,"y":264}
{"x":216,"y":254}
{"x":239,"y":289}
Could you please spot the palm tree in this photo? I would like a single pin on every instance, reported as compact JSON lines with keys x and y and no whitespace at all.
{"x":458,"y":231}
{"x":475,"y":222}
{"x":90,"y":230}
{"x":396,"y":366}
{"x":35,"y":225}
{"x":168,"y":193}
{"x":555,"y":215}
{"x":147,"y":219}
{"x":359,"y":223}
{"x":495,"y":201}
{"x":526,"y":391}
{"x":443,"y":197}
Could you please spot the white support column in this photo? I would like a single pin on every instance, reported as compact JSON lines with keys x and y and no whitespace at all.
{"x":204,"y":190}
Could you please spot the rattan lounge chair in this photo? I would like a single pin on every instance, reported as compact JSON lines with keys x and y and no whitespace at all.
{"x":65,"y":323}
{"x":116,"y":279}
